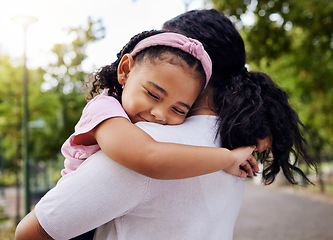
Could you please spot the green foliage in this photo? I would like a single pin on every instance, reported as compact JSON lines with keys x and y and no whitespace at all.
{"x":11,"y":90}
{"x":293,"y":41}
{"x":67,"y":78}
{"x":56,"y":99}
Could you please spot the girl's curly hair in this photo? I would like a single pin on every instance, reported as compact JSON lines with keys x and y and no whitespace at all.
{"x":106,"y":77}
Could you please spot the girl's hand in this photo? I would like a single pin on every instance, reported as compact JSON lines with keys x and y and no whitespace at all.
{"x":244,"y":159}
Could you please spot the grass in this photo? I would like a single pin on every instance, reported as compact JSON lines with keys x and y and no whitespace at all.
{"x":316,"y":189}
{"x":3,"y":220}
{"x":7,"y":233}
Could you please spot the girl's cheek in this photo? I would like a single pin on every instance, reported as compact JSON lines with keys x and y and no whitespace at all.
{"x":178,"y":120}
{"x":127,"y":108}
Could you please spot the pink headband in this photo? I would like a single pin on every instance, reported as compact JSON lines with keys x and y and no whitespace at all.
{"x":189,"y":45}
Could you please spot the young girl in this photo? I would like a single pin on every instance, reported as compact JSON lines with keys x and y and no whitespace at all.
{"x":157,"y":77}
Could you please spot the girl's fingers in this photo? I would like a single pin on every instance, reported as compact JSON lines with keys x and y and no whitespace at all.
{"x":253,"y":163}
{"x":242,"y":174}
{"x":247,"y":167}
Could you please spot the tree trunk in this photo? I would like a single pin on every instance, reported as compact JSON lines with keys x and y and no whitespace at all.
{"x":17,"y":184}
{"x":320,"y":173}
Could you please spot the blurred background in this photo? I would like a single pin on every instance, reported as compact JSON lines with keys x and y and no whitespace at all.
{"x":47,"y":48}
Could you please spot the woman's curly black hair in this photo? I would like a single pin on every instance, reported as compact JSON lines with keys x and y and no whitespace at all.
{"x":106,"y":77}
{"x":250,"y":105}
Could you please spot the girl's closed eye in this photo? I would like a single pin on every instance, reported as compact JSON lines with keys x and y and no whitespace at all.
{"x":179,"y":111}
{"x":152,"y":95}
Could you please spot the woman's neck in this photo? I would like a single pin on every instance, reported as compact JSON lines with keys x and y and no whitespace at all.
{"x":203,"y":105}
{"x":201,"y":111}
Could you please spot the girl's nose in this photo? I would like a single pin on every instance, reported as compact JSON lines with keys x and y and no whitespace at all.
{"x":159,"y":115}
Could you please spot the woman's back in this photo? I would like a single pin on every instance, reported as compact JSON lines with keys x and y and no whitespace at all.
{"x":195,"y":208}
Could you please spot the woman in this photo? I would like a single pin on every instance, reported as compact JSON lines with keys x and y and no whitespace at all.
{"x":240,"y":120}
{"x":248,"y":109}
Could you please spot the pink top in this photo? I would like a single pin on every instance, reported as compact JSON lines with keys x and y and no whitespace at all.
{"x":100,"y":108}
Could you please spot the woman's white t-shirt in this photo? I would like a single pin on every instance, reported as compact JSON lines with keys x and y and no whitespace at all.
{"x":126,"y":205}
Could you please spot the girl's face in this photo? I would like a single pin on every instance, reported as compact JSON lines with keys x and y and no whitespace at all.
{"x":158,"y":91}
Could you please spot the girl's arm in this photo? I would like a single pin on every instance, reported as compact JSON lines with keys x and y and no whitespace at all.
{"x":130,"y":146}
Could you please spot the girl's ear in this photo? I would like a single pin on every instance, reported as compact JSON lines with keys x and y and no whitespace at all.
{"x":124,"y":68}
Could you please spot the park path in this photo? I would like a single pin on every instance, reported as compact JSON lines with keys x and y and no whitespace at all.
{"x":270,"y":213}
{"x":267,"y":213}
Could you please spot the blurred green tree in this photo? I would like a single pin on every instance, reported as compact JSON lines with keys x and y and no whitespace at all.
{"x":66,"y":78}
{"x":11,"y":90}
{"x":292,"y":41}
{"x":11,"y":111}
{"x":56,"y":98}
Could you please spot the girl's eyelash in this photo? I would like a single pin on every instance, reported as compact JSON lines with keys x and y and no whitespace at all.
{"x":179,"y":111}
{"x":157,"y":98}
{"x":152,"y":95}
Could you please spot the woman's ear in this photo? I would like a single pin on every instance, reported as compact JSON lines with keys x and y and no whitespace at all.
{"x":124,"y":68}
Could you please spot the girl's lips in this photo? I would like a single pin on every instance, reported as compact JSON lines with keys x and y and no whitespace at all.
{"x":143,"y":119}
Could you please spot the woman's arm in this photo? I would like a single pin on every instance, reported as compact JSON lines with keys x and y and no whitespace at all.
{"x":99,"y":191}
{"x":130,"y":146}
{"x":30,"y":229}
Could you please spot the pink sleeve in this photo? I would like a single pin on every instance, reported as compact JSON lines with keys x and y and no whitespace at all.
{"x":100,"y":108}
{"x":96,"y":111}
